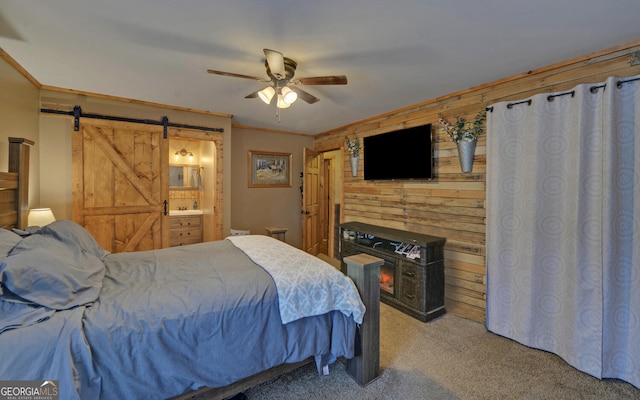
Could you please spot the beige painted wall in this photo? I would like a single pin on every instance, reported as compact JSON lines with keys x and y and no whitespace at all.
{"x":256,"y":208}
{"x":19,"y":110}
{"x":55,"y":158}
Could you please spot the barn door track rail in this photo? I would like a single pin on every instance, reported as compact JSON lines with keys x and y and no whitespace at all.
{"x":164,"y":122}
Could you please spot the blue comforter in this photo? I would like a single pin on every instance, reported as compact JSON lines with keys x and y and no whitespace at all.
{"x":162,"y":322}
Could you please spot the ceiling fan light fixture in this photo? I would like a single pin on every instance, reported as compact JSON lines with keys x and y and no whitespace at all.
{"x":288,"y":95}
{"x":267,"y":94}
{"x":282,"y":103}
{"x":280,"y":72}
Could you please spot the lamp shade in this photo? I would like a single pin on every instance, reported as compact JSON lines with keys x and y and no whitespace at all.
{"x":288,"y":95}
{"x":282,"y":103}
{"x":40,"y":217}
{"x":266,"y":94}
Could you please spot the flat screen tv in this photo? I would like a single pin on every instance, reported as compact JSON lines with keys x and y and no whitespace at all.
{"x":399,"y":155}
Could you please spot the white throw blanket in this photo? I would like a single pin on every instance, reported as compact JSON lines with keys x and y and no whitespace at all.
{"x":306,"y":285}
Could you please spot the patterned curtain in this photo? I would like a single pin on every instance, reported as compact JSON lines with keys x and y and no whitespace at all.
{"x":563,"y":214}
{"x":621,"y":232}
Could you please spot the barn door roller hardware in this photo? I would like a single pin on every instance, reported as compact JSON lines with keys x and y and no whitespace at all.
{"x":164,"y":122}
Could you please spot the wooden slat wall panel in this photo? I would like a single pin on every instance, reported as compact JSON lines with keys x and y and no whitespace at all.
{"x":453,"y":204}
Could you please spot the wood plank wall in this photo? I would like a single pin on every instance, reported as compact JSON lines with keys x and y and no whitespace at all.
{"x":453,"y":204}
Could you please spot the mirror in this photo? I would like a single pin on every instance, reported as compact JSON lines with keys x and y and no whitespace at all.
{"x":183,"y":177}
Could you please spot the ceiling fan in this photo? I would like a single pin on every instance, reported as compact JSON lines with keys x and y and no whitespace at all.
{"x":280,"y":72}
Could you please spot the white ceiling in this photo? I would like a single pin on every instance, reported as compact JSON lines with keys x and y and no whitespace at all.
{"x":394,"y":53}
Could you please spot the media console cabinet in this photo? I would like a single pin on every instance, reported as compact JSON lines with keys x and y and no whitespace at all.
{"x":412,"y":277}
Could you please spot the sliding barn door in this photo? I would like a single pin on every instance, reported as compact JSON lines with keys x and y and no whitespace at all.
{"x":120,"y":173}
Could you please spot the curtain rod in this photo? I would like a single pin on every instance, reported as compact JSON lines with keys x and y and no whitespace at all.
{"x":164,"y":122}
{"x":592,"y":89}
{"x":552,"y":97}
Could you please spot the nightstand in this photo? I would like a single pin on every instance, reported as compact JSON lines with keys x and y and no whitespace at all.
{"x":276,"y":232}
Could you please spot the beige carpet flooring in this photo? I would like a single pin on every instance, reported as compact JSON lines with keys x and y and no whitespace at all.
{"x":448,"y":358}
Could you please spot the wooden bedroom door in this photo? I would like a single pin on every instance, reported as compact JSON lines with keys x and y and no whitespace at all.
{"x":311,"y":201}
{"x":120,"y":184}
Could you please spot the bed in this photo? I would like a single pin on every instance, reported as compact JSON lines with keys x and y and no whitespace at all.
{"x":163,"y":323}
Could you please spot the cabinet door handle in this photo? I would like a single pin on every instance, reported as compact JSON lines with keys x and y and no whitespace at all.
{"x":410,"y":296}
{"x":409,"y":273}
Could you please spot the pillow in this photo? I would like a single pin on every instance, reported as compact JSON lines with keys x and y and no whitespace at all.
{"x":8,"y":240}
{"x":47,"y":270}
{"x":6,"y":296}
{"x":71,"y":234}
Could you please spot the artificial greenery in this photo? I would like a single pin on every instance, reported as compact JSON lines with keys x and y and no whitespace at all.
{"x":463,"y":130}
{"x":353,"y":147}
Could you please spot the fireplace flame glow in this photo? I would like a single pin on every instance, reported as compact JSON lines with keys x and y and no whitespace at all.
{"x":386,"y":281}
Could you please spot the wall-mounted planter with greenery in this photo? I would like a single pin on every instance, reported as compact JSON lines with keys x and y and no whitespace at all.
{"x":465,"y":134}
{"x":353,"y":148}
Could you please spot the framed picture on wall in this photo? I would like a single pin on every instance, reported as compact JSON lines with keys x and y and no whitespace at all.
{"x":269,"y":169}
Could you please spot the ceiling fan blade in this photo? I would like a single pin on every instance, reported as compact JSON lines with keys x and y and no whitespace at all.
{"x":233,"y":75}
{"x":275,"y":60}
{"x":309,"y":98}
{"x":322,"y":80}
{"x":252,"y":95}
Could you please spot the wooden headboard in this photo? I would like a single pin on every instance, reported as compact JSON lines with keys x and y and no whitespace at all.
{"x":14,"y":186}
